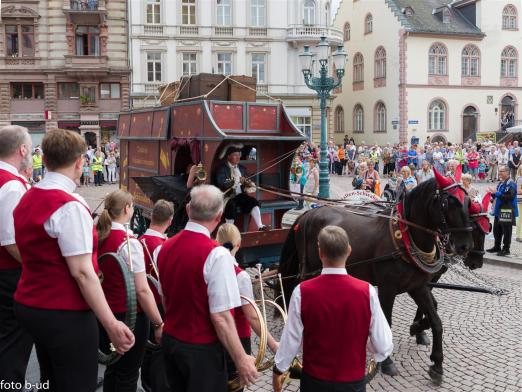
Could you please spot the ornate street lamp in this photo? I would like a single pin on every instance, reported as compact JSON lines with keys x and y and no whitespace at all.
{"x":323,"y":85}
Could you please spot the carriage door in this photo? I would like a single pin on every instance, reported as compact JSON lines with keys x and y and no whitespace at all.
{"x":469,"y":122}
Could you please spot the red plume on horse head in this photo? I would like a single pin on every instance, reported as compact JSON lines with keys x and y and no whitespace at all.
{"x":442,"y":181}
{"x":458,"y":173}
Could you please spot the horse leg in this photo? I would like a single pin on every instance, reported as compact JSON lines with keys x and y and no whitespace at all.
{"x":425,"y":300}
{"x":387,"y":299}
{"x":417,"y":328}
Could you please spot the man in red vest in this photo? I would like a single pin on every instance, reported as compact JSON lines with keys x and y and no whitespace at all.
{"x":336,"y":317}
{"x":199,"y":288}
{"x":15,"y":342}
{"x":153,"y":377}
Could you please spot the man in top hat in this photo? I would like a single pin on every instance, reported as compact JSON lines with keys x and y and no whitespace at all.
{"x":231,"y":179}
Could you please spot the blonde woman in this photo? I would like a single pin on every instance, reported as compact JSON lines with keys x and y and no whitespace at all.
{"x":123,"y":375}
{"x":245,"y":317}
{"x":470,"y":189}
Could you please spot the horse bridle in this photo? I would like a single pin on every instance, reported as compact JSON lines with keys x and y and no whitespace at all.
{"x":442,"y":196}
{"x":474,"y":219}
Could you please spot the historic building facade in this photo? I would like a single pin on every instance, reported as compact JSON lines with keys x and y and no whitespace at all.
{"x":63,"y":63}
{"x":439,"y":68}
{"x":261,"y":38}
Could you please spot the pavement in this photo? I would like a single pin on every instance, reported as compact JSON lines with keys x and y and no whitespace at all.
{"x":482,"y":344}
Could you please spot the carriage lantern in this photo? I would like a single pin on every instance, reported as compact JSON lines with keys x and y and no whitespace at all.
{"x":323,"y":85}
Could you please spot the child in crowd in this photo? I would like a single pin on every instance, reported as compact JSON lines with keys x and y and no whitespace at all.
{"x":482,"y":169}
{"x":86,"y":174}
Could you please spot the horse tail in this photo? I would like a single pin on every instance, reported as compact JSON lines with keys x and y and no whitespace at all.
{"x":289,"y":263}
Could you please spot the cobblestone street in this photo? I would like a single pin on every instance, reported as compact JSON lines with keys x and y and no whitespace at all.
{"x":482,"y":342}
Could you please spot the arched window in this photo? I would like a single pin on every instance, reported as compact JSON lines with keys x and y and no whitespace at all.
{"x":509,"y":17}
{"x":339,"y":119}
{"x":437,"y":116}
{"x":380,"y":117}
{"x":358,"y":68}
{"x":438,"y":60}
{"x":470,"y":61}
{"x":509,"y":62}
{"x":368,"y":24}
{"x":347,"y":31}
{"x":358,"y":119}
{"x":309,"y":12}
{"x":380,"y":62}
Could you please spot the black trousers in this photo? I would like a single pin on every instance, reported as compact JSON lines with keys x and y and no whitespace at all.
{"x":123,"y":375}
{"x":66,"y":345}
{"x":502,"y":230}
{"x":194,"y":367}
{"x":153,"y":375}
{"x":243,"y":202}
{"x":231,"y":367}
{"x":310,"y":384}
{"x":15,"y":342}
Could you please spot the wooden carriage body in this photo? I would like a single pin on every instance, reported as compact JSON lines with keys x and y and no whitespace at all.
{"x":164,"y":141}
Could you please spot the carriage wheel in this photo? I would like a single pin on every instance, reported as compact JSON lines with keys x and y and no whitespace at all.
{"x":150,"y":345}
{"x":130,"y":293}
{"x":234,"y":384}
{"x":138,"y":223}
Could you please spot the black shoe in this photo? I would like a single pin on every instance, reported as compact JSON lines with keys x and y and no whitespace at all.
{"x":493,"y":250}
{"x":503,"y":252}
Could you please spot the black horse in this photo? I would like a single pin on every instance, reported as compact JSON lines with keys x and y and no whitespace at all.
{"x":473,"y":260}
{"x":437,"y":205}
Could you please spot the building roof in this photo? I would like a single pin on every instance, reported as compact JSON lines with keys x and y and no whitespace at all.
{"x":427,"y":18}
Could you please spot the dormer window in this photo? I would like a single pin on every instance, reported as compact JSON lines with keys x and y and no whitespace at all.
{"x":446,"y":15}
{"x":408,"y":11}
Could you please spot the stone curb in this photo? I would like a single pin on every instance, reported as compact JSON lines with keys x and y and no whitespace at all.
{"x":511,"y":262}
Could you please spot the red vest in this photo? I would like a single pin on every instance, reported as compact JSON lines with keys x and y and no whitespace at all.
{"x":46,"y":282}
{"x":151,"y":244}
{"x":6,"y":260}
{"x":113,"y":283}
{"x":242,"y":324}
{"x":180,"y":263}
{"x":336,"y":315}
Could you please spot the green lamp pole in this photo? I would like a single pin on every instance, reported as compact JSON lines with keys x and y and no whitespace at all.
{"x":323,"y":85}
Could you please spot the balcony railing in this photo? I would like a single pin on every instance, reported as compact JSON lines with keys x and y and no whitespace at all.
{"x":155,"y":30}
{"x":84,"y":5}
{"x":223,"y":31}
{"x":150,"y":88}
{"x":262,"y":89}
{"x":188,"y":30}
{"x":313,"y":33}
{"x":258,"y":31}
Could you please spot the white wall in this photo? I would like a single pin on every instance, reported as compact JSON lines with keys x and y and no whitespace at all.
{"x":385,"y":33}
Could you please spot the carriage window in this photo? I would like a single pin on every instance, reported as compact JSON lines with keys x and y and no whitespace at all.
{"x":249,"y":153}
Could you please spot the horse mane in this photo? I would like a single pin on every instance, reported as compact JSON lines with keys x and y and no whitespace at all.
{"x":422,"y":193}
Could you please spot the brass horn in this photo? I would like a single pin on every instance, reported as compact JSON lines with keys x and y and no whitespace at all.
{"x":201,"y":174}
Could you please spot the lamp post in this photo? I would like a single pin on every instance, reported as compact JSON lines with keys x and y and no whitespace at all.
{"x":323,"y":85}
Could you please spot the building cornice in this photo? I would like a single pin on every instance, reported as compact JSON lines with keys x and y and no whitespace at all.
{"x":460,"y":87}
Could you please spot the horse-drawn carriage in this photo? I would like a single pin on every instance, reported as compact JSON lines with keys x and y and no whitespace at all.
{"x":158,"y":145}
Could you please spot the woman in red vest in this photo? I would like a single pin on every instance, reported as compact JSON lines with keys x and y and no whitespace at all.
{"x":59,"y":294}
{"x":245,"y":317}
{"x":123,"y":375}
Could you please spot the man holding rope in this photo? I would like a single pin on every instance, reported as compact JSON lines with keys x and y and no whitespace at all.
{"x":231,"y":178}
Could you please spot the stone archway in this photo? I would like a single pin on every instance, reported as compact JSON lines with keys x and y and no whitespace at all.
{"x":470,"y":116}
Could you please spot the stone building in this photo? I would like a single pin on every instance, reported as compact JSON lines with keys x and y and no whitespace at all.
{"x":439,"y":68}
{"x":63,"y":63}
{"x":262,"y":38}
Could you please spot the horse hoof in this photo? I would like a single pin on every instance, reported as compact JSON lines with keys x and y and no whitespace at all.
{"x":435,"y":376}
{"x":389,"y":368}
{"x":422,"y":339}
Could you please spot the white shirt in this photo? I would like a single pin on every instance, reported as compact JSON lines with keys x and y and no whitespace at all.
{"x":10,"y":195}
{"x":503,"y":157}
{"x":245,"y":286}
{"x":138,"y":258}
{"x":236,"y":173}
{"x":380,"y":342}
{"x":220,"y":276}
{"x":72,"y":223}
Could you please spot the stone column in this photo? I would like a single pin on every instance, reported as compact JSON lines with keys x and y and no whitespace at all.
{"x":5,"y":104}
{"x":51,"y":104}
